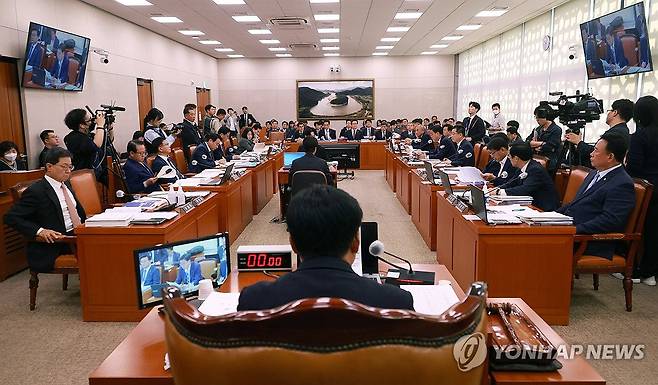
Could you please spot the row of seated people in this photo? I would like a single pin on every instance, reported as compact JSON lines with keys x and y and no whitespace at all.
{"x":323,"y":131}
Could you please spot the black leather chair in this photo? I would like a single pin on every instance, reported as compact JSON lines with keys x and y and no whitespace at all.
{"x":306,"y":178}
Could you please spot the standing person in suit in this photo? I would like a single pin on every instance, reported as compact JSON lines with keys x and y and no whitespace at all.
{"x":34,"y":50}
{"x":464,"y":155}
{"x":326,"y":133}
{"x":10,"y":160}
{"x":50,"y":140}
{"x":499,"y":170}
{"x":368,"y":131}
{"x":232,"y":122}
{"x":148,"y":274}
{"x":47,"y":210}
{"x":246,"y":119}
{"x":162,"y":159}
{"x":323,"y":223}
{"x":139,"y":177}
{"x":473,"y":124}
{"x":310,"y":161}
{"x":533,"y":179}
{"x":189,"y":272}
{"x":545,"y":140}
{"x":190,"y":134}
{"x":606,"y":197}
{"x":203,"y":157}
{"x":642,"y":162}
{"x":209,"y":118}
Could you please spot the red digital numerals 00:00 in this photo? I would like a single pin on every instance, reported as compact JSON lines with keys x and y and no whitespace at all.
{"x":263,"y":260}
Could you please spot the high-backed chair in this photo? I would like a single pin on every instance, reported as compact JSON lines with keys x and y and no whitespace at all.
{"x":483,"y":158}
{"x":477,"y":149}
{"x":64,"y":264}
{"x":543,"y":160}
{"x":83,"y":183}
{"x":306,"y":178}
{"x":576,"y":177}
{"x":631,"y":45}
{"x":74,"y":67}
{"x":632,"y":237}
{"x":192,"y":147}
{"x":323,"y":341}
{"x":179,"y":159}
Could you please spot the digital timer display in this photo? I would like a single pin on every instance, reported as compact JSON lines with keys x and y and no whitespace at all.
{"x":264,"y":261}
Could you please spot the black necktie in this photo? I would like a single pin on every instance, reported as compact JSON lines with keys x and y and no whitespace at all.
{"x":178,"y":174}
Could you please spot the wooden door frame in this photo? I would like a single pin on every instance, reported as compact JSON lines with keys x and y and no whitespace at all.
{"x":21,"y":105}
{"x":141,"y":118}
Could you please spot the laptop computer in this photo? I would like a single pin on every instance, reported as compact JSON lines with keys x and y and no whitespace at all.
{"x":258,"y":147}
{"x":445,"y":182}
{"x":225,"y":178}
{"x":289,"y":157}
{"x":429,"y":174}
{"x":479,"y":205}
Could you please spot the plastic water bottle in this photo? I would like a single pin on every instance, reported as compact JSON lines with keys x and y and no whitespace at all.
{"x":171,"y":195}
{"x":180,"y":197}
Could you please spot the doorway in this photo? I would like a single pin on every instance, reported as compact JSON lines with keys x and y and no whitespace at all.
{"x":11,"y":114}
{"x":202,"y":100}
{"x":144,"y":99}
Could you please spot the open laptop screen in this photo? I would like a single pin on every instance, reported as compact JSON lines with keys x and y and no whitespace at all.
{"x":479,"y":203}
{"x":289,"y":157}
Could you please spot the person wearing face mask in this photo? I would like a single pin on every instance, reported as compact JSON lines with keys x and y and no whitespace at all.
{"x":498,"y":121}
{"x":84,"y":144}
{"x":10,"y":160}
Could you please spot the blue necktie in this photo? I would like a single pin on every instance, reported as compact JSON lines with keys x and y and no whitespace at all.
{"x":593,"y":182}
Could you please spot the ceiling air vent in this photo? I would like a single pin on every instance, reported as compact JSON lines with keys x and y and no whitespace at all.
{"x":303,"y":47}
{"x":289,"y":22}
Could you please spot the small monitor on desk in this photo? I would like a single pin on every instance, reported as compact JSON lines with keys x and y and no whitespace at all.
{"x":445,"y":181}
{"x":181,"y":264}
{"x":479,"y":203}
{"x":289,"y":157}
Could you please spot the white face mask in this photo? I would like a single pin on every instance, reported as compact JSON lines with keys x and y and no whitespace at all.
{"x":11,"y":157}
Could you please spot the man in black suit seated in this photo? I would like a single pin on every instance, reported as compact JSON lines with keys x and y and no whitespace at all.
{"x":50,"y":139}
{"x":203,"y":157}
{"x":310,"y":161}
{"x":139,"y":177}
{"x":326,"y":133}
{"x":464,"y":155}
{"x":607,"y":196}
{"x":441,"y":147}
{"x":384,"y":131}
{"x":533,"y":179}
{"x":323,"y":223}
{"x":368,"y":131}
{"x":473,"y":124}
{"x":420,"y":140}
{"x":190,"y":134}
{"x":162,"y":159}
{"x":499,"y":170}
{"x":408,"y":131}
{"x":47,"y":210}
{"x":351,"y":132}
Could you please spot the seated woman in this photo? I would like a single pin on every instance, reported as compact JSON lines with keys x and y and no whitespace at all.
{"x":246,"y":141}
{"x":9,"y":160}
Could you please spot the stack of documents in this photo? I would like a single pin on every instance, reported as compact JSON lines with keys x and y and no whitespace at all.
{"x":110,"y":218}
{"x":470,"y":175}
{"x":432,"y":299}
{"x":502,"y":219}
{"x":148,"y":203}
{"x":209,"y":173}
{"x":549,"y":218}
{"x":511,"y":199}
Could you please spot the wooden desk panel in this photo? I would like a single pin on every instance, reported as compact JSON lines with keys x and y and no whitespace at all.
{"x":423,"y":208}
{"x":372,"y":155}
{"x":107,"y":272}
{"x":403,"y":184}
{"x":262,"y":184}
{"x":390,"y":169}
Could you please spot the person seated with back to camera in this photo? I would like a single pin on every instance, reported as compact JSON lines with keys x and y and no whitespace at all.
{"x":323,"y":223}
{"x":310,"y":161}
{"x":139,"y":177}
{"x":163,"y":150}
{"x":320,"y":152}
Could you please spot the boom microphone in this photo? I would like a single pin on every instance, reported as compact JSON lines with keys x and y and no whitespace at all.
{"x":377,"y":249}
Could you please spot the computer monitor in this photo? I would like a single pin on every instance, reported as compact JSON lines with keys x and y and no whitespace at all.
{"x":289,"y":157}
{"x":479,"y":203}
{"x":445,"y":181}
{"x":181,"y":264}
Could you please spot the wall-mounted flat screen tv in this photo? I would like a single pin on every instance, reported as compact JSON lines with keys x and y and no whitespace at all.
{"x":54,"y":59}
{"x":617,"y":43}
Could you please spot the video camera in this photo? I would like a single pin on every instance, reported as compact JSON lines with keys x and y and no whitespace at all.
{"x":576,"y":114}
{"x":107,"y":111}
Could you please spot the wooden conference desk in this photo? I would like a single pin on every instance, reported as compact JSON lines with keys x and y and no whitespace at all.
{"x":371,"y":153}
{"x":530,"y":262}
{"x":108,"y":288}
{"x":423,"y":207}
{"x":139,"y":358}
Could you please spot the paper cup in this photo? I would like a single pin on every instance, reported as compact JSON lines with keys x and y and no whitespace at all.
{"x":205,"y":288}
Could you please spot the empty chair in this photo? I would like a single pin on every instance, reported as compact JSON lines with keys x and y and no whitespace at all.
{"x":306,"y":178}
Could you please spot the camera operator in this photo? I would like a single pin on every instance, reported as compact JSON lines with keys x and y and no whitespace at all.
{"x":82,"y":142}
{"x":545,"y":139}
{"x":576,"y":152}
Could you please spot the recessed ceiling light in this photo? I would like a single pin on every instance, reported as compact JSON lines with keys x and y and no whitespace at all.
{"x":332,"y":48}
{"x":229,"y":2}
{"x":235,"y":56}
{"x":246,"y":18}
{"x":332,"y":54}
{"x":210,"y":42}
{"x":397,"y":29}
{"x":469,"y":27}
{"x":390,"y":39}
{"x":384,"y":47}
{"x":133,"y":3}
{"x":326,"y":17}
{"x":166,"y":19}
{"x":435,"y":46}
{"x":188,"y":32}
{"x":283,"y":55}
{"x":277,"y":49}
{"x":270,"y":41}
{"x":428,"y":53}
{"x":407,"y":15}
{"x":492,"y":12}
{"x":260,"y":32}
{"x":452,"y":37}
{"x":379,"y":53}
{"x":328,"y":30}
{"x":323,"y":1}
{"x":224,"y":49}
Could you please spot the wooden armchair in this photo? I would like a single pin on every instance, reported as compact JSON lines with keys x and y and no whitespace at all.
{"x":483,"y":158}
{"x":324,"y":341}
{"x":632,"y":236}
{"x":576,"y":177}
{"x":477,"y":151}
{"x":84,"y":184}
{"x":65,"y":264}
{"x":543,"y":160}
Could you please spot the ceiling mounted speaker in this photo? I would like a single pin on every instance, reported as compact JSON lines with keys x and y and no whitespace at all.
{"x":303,"y":47}
{"x":289,"y":22}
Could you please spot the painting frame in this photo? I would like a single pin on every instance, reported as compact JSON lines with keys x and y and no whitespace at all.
{"x":354,"y":92}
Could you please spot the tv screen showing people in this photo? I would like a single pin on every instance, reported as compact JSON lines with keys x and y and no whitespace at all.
{"x":55,"y":59}
{"x":181,"y":264}
{"x":617,"y":43}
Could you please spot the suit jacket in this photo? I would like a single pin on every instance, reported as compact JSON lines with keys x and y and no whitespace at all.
{"x":642,"y":158}
{"x":39,"y":207}
{"x":136,"y":174}
{"x":311,"y":162}
{"x":157,"y":165}
{"x":364,"y":133}
{"x":464,"y":155}
{"x":190,"y":136}
{"x":152,"y":277}
{"x":323,"y":277}
{"x":195,"y":274}
{"x":35,"y":54}
{"x":347,"y":134}
{"x":383,"y":134}
{"x":537,"y":184}
{"x":444,"y":149}
{"x":603,"y":208}
{"x":245,"y":122}
{"x":475,"y":129}
{"x":202,"y":159}
{"x":330,"y":135}
{"x":552,"y":138}
{"x":407,"y":135}
{"x":423,"y":143}
{"x":61,"y":73}
{"x":509,"y":172}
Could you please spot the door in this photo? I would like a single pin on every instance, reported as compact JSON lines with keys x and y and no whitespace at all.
{"x":144,"y":99}
{"x":11,"y":115}
{"x":202,"y":100}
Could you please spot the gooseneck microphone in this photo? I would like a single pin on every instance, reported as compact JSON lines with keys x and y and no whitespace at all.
{"x":377,"y":249}
{"x":521,"y":176}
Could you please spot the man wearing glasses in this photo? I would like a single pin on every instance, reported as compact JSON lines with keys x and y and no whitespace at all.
{"x":139,"y":177}
{"x":47,"y":210}
{"x":83,"y":144}
{"x":499,"y":170}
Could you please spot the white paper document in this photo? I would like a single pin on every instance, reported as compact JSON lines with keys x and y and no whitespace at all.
{"x":432,"y":299}
{"x":220,"y":304}
{"x":166,"y":172}
{"x":469,"y":175}
{"x":471,"y":217}
{"x":191,"y":182}
{"x":209,"y":173}
{"x":153,"y":215}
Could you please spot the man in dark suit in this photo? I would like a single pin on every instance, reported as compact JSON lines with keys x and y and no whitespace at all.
{"x":139,"y":177}
{"x":50,"y":140}
{"x":408,"y":132}
{"x":441,"y":147}
{"x":384,"y":131}
{"x":203,"y":157}
{"x":326,"y":133}
{"x":35,"y":50}
{"x":163,"y":150}
{"x":464,"y":155}
{"x":352,"y":132}
{"x":368,"y":131}
{"x":473,"y":124}
{"x":60,"y":68}
{"x":189,"y":271}
{"x":47,"y":210}
{"x":607,"y":196}
{"x":246,"y":119}
{"x":323,"y":223}
{"x":499,"y":170}
{"x":190,"y":134}
{"x":420,"y":140}
{"x":533,"y":179}
{"x":310,"y":161}
{"x":148,"y":274}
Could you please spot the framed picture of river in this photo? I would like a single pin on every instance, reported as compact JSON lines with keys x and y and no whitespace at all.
{"x":335,"y":99}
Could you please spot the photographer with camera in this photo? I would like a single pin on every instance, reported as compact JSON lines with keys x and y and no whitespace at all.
{"x":545,"y":139}
{"x":576,"y":152}
{"x":82,"y":142}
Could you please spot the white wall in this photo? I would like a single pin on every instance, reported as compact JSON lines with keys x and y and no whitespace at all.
{"x":410,"y":87}
{"x":134,"y":53}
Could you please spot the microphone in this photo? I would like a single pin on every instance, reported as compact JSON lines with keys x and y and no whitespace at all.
{"x":377,"y":249}
{"x":521,"y":176}
{"x":120,"y":194}
{"x":408,"y":277}
{"x":90,"y":111}
{"x":115,"y":108}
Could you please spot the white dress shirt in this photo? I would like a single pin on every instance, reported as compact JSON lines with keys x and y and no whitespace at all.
{"x":502,"y":191}
{"x":57,"y":186}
